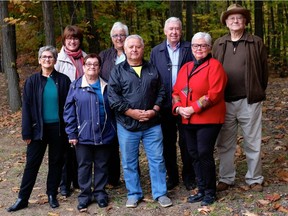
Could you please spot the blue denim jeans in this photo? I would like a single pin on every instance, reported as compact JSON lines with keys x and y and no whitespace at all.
{"x":152,"y":140}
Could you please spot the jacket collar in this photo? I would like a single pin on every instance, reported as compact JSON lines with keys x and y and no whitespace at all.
{"x":246,"y":37}
{"x":53,"y":73}
{"x":85,"y":84}
{"x":126,"y":65}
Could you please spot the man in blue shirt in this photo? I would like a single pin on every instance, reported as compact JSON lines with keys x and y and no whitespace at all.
{"x":173,"y":53}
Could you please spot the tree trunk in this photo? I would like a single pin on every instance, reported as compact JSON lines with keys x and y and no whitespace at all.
{"x":9,"y":59}
{"x":258,"y":17}
{"x":175,"y":9}
{"x":148,"y":12}
{"x":72,"y":5}
{"x":92,"y":34}
{"x":189,"y":20}
{"x":48,"y":18}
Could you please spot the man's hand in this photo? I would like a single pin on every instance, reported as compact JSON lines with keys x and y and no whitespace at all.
{"x":140,"y":115}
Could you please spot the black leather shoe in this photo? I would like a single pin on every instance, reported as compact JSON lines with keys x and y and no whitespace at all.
{"x":102,"y":203}
{"x":19,"y":204}
{"x":208,"y":200}
{"x":195,"y":198}
{"x":53,"y":202}
{"x":82,"y":207}
{"x":171,"y":184}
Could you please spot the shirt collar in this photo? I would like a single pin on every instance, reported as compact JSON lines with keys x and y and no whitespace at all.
{"x":177,"y":46}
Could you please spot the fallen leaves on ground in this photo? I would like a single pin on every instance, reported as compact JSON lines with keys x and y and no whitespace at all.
{"x":205,"y":210}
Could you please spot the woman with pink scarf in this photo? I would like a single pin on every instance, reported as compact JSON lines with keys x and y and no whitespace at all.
{"x":70,"y":62}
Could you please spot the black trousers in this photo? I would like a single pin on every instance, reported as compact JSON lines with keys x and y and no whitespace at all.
{"x":114,"y":163}
{"x":170,"y":125}
{"x":70,"y":167}
{"x":34,"y":156}
{"x":92,"y":158}
{"x":200,"y":141}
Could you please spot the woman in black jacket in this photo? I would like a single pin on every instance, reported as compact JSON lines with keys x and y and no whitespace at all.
{"x":44,"y":97}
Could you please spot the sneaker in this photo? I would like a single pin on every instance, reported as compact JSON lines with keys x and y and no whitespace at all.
{"x":222,"y":186}
{"x":256,"y":187}
{"x":132,"y":202}
{"x":164,"y":201}
{"x":195,"y":198}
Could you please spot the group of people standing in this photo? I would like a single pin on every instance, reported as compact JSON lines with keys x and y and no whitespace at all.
{"x":116,"y":100}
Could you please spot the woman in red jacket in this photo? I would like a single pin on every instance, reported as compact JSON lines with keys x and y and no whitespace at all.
{"x":198,"y":97}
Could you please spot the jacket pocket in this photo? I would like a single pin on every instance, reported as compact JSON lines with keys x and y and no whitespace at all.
{"x":85,"y":134}
{"x":82,"y":127}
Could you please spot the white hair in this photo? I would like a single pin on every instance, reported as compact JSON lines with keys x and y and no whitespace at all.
{"x":206,"y":36}
{"x":120,"y":26}
{"x":172,"y":19}
{"x":135,"y":36}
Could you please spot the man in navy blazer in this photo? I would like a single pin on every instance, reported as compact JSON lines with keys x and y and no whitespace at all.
{"x":168,"y":57}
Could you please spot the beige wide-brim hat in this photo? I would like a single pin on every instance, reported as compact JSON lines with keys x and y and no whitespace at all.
{"x":235,"y":9}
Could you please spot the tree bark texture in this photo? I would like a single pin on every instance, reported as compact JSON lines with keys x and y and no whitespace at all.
{"x":48,"y":18}
{"x":9,"y":59}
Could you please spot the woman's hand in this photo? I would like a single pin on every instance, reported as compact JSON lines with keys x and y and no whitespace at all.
{"x":28,"y":141}
{"x":73,"y":142}
{"x":186,"y":112}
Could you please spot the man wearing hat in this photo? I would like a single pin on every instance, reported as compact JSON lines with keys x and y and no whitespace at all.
{"x":244,"y":59}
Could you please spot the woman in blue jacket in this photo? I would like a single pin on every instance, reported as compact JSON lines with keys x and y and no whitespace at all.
{"x":91,"y":129}
{"x":44,"y":96}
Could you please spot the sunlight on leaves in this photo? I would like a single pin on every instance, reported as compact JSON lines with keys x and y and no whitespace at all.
{"x":278,"y":148}
{"x":247,"y":213}
{"x":205,"y":210}
{"x":53,"y":214}
{"x":16,"y":189}
{"x":261,"y":203}
{"x":33,"y":201}
{"x":283,"y":175}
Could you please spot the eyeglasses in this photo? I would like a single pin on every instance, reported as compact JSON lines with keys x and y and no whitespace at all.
{"x":118,"y":36}
{"x":233,"y":19}
{"x":90,"y":64}
{"x":72,"y":38}
{"x":47,"y":57}
{"x":201,"y":46}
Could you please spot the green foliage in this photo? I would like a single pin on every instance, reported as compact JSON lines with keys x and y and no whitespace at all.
{"x":145,"y":18}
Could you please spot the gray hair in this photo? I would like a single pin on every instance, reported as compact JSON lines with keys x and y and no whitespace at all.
{"x":120,"y":26}
{"x":50,"y":49}
{"x":206,"y":36}
{"x":172,"y":19}
{"x":135,"y":36}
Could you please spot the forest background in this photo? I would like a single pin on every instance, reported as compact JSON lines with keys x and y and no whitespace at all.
{"x":28,"y":25}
